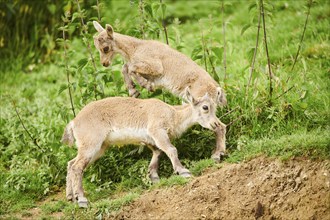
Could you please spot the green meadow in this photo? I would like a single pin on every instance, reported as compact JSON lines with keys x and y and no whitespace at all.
{"x":47,"y":55}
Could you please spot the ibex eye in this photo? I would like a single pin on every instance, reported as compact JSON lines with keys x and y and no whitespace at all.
{"x":106,"y":49}
{"x":205,"y":107}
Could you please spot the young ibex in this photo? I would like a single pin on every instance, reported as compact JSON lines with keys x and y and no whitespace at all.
{"x":155,"y":65}
{"x":119,"y":120}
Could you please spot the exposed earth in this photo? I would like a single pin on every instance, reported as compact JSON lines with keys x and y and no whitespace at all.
{"x":262,"y":188}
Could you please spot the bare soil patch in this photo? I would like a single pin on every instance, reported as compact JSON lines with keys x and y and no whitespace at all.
{"x":262,"y":188}
{"x":37,"y":212}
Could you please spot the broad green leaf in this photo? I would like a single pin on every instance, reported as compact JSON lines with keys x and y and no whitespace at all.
{"x":51,"y":8}
{"x":95,"y":7}
{"x":62,"y":88}
{"x":116,"y":75}
{"x":163,"y":7}
{"x":303,"y":105}
{"x":252,"y":6}
{"x":91,"y":19}
{"x":74,"y":16}
{"x":227,"y":3}
{"x":197,"y":57}
{"x":250,"y":53}
{"x":245,"y":27}
{"x":148,"y":9}
{"x":82,"y":63}
{"x":99,"y":76}
{"x":155,"y":7}
{"x":218,"y":52}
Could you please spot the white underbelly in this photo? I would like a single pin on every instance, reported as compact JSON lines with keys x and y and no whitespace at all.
{"x":129,"y":136}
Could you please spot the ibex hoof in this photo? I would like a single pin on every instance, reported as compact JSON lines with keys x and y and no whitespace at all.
{"x":151,"y":89}
{"x":186,"y":174}
{"x":69,"y":197}
{"x":154,"y":179}
{"x":82,"y":202}
{"x":134,"y":93}
{"x":217,"y":158}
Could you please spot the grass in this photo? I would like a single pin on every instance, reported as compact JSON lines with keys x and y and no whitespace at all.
{"x":296,"y":125}
{"x":199,"y":166}
{"x":313,"y":145}
{"x":116,"y":204}
{"x":171,"y":181}
{"x":49,"y":208}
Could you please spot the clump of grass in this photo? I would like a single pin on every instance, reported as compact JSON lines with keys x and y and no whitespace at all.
{"x":100,"y":209}
{"x":58,"y":206}
{"x":27,"y":214}
{"x":172,"y":181}
{"x":199,"y":166}
{"x":107,"y":206}
{"x":313,"y":144}
{"x":116,"y":204}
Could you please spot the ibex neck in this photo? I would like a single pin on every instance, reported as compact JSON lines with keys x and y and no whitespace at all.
{"x":184,"y":119}
{"x":125,"y":45}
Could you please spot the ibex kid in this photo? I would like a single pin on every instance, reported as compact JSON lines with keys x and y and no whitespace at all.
{"x":120,"y":120}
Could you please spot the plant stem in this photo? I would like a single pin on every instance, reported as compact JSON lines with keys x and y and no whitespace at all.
{"x":67,"y":73}
{"x":84,"y":31}
{"x":23,"y":125}
{"x":224,"y":40}
{"x":204,"y":51}
{"x":254,"y":54}
{"x":266,"y":46}
{"x":229,"y":112}
{"x":164,"y":25}
{"x":165,"y":31}
{"x":142,"y":20}
{"x":279,"y":96}
{"x":215,"y":75}
{"x":98,"y":10}
{"x":286,"y":91}
{"x":309,"y":5}
{"x":235,"y":120}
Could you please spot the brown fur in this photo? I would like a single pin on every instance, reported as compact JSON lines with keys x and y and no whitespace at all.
{"x":156,"y":65}
{"x":120,"y":121}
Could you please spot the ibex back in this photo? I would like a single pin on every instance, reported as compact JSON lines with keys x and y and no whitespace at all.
{"x":118,"y":121}
{"x":155,"y":65}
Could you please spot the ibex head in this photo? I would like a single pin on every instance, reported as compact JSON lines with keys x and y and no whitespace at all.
{"x":104,"y":43}
{"x":204,"y":110}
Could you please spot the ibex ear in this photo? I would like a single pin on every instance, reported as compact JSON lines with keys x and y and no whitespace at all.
{"x":109,"y":29}
{"x":188,"y":96}
{"x":97,"y":26}
{"x":221,"y":97}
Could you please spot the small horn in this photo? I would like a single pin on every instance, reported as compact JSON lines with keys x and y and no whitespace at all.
{"x":97,"y":26}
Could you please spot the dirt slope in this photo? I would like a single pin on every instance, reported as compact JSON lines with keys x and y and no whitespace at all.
{"x":259,"y":189}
